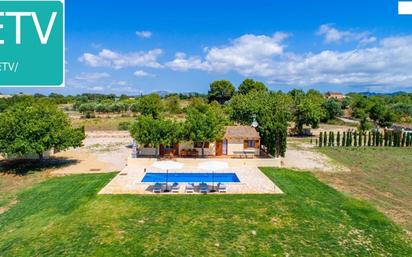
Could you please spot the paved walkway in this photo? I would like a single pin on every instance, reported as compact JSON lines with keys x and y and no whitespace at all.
{"x":252,"y":180}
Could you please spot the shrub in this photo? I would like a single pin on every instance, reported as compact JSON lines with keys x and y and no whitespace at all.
{"x":338,"y":139}
{"x":320,"y":139}
{"x":124,"y":125}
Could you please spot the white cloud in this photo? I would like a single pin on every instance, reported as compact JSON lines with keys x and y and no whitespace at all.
{"x":388,"y":61}
{"x":109,"y":58}
{"x":104,"y":85}
{"x":245,"y":52}
{"x":96,"y":88}
{"x":181,"y":63}
{"x":141,"y":73}
{"x":144,"y":34}
{"x":122,"y":83}
{"x":333,"y":35}
{"x":92,"y":76}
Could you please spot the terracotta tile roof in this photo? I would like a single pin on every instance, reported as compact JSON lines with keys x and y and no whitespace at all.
{"x":241,"y":132}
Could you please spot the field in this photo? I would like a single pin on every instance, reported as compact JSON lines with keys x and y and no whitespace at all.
{"x":64,"y":216}
{"x":382,"y":176}
{"x":96,"y":124}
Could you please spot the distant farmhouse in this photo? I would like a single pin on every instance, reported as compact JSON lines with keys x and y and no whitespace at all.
{"x":335,"y":95}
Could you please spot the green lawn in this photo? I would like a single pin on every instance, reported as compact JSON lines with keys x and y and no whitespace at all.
{"x":382,"y":176}
{"x":64,"y":217}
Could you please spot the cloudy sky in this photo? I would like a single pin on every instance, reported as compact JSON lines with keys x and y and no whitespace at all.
{"x":138,"y":47}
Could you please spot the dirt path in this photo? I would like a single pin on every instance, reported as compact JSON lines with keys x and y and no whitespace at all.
{"x":301,"y":155}
{"x":103,"y":151}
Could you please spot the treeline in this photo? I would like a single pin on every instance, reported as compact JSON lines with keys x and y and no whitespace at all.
{"x":383,"y":110}
{"x":374,"y":138}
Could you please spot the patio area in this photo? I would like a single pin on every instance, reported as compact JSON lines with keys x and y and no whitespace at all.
{"x":252,"y":180}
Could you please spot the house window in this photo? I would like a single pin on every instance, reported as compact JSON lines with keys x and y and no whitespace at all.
{"x":250,"y":143}
{"x":199,"y":144}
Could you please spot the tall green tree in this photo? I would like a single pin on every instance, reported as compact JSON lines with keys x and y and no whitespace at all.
{"x":382,"y":114}
{"x":172,"y":104}
{"x":338,"y":139}
{"x":307,"y":109}
{"x":272,"y":112}
{"x":249,"y":85}
{"x":34,"y":127}
{"x":333,"y":109}
{"x":204,"y":125}
{"x":147,"y":130}
{"x":221,"y":91}
{"x":150,"y":105}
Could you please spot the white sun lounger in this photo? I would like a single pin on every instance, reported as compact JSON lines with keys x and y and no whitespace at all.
{"x":203,"y":188}
{"x":190,"y":188}
{"x":157,"y":188}
{"x":175,"y":187}
{"x":221,"y":188}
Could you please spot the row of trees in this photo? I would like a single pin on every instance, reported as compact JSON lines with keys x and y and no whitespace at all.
{"x":383,"y":110}
{"x":373,"y":138}
{"x":146,"y":105}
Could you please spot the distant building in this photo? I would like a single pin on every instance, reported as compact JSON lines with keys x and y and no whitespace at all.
{"x":335,"y":95}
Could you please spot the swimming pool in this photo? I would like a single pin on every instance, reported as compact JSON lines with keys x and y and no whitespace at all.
{"x":191,"y":177}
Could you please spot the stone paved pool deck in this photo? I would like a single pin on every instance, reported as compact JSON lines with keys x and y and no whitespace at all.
{"x":252,"y":180}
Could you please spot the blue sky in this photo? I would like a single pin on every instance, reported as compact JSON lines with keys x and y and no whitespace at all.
{"x":138,"y":47}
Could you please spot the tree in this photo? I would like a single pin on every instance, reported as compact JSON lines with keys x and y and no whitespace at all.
{"x":382,"y":115}
{"x":333,"y":109}
{"x":272,"y":112}
{"x":364,"y":124}
{"x":307,"y":113}
{"x":87,"y":107}
{"x":320,"y":139}
{"x":150,"y":105}
{"x":355,"y":138}
{"x":306,"y":109}
{"x":173,"y":104}
{"x":338,"y":139}
{"x":34,"y":127}
{"x":221,"y":91}
{"x":147,"y":130}
{"x":203,"y":125}
{"x":249,"y":85}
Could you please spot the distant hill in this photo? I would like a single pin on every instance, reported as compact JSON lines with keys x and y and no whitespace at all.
{"x":382,"y":94}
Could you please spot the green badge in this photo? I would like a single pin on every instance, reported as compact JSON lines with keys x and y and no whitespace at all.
{"x":31,"y":43}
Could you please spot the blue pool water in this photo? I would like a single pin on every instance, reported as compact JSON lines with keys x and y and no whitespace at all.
{"x":190,"y":177}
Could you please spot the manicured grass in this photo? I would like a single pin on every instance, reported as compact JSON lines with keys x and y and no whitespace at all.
{"x":380,"y":175}
{"x":64,"y":217}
